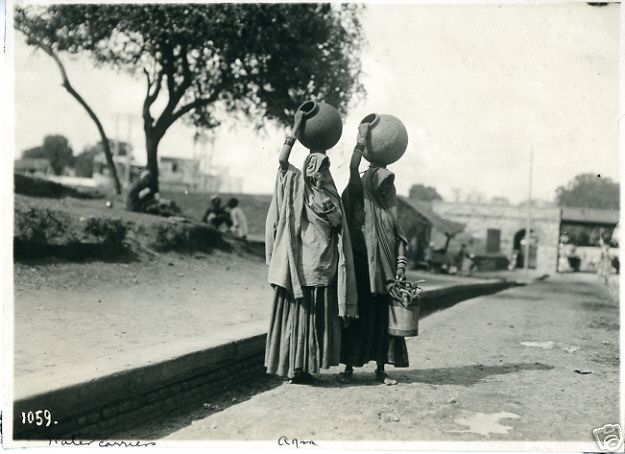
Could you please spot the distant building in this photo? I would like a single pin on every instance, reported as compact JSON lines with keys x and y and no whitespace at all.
{"x":40,"y":167}
{"x":208,"y":183}
{"x":501,"y":229}
{"x":227,"y":182}
{"x":179,"y":173}
{"x":584,"y":229}
{"x":538,"y":204}
{"x":439,"y":227}
{"x":500,"y":201}
{"x":423,"y":228}
{"x":32,"y":166}
{"x":126,"y":169}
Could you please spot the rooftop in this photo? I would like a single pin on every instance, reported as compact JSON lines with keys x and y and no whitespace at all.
{"x":443,"y":225}
{"x":590,"y":215}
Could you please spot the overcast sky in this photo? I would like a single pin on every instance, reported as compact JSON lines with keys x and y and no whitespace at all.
{"x":477,"y":86}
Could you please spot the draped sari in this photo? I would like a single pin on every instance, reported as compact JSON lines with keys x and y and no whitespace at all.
{"x":370,"y":207}
{"x":308,"y":251}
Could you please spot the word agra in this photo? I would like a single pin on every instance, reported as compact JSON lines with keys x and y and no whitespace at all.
{"x":284,"y":441}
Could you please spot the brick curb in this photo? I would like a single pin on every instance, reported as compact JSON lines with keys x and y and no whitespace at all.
{"x":442,"y":298}
{"x":97,"y":408}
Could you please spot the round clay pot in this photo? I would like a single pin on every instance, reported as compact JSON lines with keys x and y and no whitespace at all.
{"x":387,"y":139}
{"x":322,"y":126}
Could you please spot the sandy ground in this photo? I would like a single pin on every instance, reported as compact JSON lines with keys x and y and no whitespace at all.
{"x":499,"y":367}
{"x":70,"y":316}
{"x":77,"y":321}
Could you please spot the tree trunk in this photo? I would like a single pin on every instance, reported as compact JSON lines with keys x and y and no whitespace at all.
{"x":151,"y":144}
{"x":109,"y":157}
{"x":105,"y":140}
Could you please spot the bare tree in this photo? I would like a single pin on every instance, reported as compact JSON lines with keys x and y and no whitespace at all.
{"x":32,"y":40}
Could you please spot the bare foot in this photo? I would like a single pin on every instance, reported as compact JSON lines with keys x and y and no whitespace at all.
{"x":382,"y":377}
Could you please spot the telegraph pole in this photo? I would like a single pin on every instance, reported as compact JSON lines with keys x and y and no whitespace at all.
{"x":129,"y":151}
{"x":528,"y":222}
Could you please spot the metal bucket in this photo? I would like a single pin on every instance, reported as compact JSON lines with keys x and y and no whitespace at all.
{"x":403,"y":319}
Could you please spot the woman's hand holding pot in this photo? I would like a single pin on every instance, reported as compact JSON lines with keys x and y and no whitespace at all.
{"x":298,"y":122}
{"x":361,"y":139}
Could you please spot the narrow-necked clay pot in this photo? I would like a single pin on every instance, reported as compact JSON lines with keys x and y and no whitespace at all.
{"x":322,"y":126}
{"x":387,"y":139}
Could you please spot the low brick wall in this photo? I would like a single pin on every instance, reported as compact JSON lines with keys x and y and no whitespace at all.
{"x":439,"y":299}
{"x":99,"y":408}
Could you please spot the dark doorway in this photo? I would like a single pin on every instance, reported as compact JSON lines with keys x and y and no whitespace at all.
{"x":518,"y":249}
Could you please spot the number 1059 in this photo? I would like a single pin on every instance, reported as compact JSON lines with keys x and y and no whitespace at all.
{"x":39,"y":417}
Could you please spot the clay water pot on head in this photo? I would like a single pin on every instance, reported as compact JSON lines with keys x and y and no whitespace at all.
{"x":322,"y":126}
{"x":387,"y":139}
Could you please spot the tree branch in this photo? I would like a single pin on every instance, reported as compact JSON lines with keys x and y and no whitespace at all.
{"x":147,"y":76}
{"x":68,"y":86}
{"x":196,"y":104}
{"x":157,"y":89}
{"x":151,"y":97}
{"x":146,"y":102}
{"x":175,"y":94}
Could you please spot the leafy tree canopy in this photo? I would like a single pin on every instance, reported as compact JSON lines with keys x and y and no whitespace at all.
{"x":56,"y":150}
{"x":260,"y":61}
{"x":425,"y":193}
{"x":589,"y":190}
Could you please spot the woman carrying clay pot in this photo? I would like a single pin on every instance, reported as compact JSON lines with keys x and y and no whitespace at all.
{"x":379,"y":249}
{"x":310,"y":267}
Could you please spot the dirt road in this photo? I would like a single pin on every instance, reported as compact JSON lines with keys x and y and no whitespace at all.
{"x":78,"y":321}
{"x":535,"y":363}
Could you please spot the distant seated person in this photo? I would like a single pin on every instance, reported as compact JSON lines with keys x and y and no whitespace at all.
{"x":140,"y":195}
{"x":239,"y":221}
{"x":217,"y":216}
{"x":142,"y":199}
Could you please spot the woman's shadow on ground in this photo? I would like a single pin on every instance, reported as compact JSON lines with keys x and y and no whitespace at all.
{"x":462,"y":375}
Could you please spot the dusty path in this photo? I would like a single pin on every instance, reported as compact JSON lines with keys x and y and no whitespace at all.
{"x":76,"y":321}
{"x":101,"y":316}
{"x":499,"y":367}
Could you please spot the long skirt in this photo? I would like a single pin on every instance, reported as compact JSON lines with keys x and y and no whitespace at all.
{"x":604,"y":268}
{"x":303,"y":333}
{"x":367,"y":338}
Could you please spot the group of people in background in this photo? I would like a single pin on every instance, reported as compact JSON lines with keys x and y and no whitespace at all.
{"x":228,"y":218}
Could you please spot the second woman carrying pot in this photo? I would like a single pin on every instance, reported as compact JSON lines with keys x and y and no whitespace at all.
{"x":379,"y":248}
{"x":310,"y":262}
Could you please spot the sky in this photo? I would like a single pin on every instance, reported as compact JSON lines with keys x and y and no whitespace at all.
{"x":478,"y":87}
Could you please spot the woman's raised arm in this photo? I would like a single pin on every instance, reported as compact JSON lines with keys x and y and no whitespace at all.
{"x":290,"y":140}
{"x":354,"y":163}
